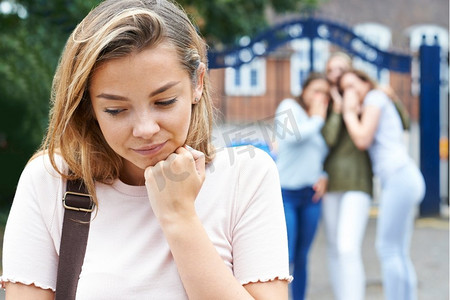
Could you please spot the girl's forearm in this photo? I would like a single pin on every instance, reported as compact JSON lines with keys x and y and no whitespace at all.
{"x":356,"y":131}
{"x":202,"y":270}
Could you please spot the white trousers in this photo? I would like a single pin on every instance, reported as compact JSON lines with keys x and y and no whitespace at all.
{"x":345,"y":216}
{"x":401,"y":192}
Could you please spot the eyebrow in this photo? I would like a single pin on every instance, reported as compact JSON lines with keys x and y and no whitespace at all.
{"x":164,"y":88}
{"x":152,"y":94}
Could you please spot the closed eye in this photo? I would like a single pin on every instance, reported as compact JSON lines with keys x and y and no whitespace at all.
{"x":113,"y":112}
{"x":166,"y":103}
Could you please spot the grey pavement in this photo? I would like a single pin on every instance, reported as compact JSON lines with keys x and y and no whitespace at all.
{"x":429,"y":252}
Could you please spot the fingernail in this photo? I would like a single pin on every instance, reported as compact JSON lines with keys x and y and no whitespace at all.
{"x":188,"y":147}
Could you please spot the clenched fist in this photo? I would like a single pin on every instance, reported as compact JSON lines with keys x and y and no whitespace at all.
{"x":173,"y":184}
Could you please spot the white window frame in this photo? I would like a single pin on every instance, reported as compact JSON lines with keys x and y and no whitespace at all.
{"x":381,"y":37}
{"x":299,"y":64}
{"x":321,"y":54}
{"x":245,"y":87}
{"x":300,"y":61}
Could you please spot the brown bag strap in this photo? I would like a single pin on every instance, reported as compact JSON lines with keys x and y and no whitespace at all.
{"x":78,"y":206}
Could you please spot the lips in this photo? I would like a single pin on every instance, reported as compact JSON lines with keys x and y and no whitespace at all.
{"x":150,"y":149}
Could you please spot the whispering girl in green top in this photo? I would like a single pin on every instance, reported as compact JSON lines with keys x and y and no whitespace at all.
{"x":346,"y":204}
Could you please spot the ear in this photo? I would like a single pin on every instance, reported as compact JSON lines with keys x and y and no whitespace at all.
{"x":198,"y":89}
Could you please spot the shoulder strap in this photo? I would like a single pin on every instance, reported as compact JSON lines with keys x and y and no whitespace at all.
{"x":403,"y":113}
{"x":78,"y":206}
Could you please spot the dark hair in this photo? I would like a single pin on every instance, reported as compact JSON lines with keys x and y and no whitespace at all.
{"x":311,"y":77}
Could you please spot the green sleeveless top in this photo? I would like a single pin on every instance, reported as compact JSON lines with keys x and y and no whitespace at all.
{"x":348,"y":168}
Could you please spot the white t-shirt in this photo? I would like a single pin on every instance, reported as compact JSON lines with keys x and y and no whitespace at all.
{"x":127,"y":256}
{"x":387,"y":152}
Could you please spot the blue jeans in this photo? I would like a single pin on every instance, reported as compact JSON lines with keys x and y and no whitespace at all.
{"x":302,"y":218}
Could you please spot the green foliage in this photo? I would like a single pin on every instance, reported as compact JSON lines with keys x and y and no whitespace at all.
{"x":222,"y":21}
{"x":30,"y":48}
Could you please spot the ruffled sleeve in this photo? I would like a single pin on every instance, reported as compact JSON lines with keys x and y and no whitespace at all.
{"x":260,"y":250}
{"x":29,"y":250}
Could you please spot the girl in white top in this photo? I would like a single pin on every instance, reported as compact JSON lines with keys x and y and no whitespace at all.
{"x":380,"y":130}
{"x":131,"y":92}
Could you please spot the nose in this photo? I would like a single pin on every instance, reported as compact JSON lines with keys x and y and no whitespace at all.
{"x":145,"y":125}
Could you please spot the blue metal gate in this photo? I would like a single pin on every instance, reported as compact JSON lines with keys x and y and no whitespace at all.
{"x":342,"y":36}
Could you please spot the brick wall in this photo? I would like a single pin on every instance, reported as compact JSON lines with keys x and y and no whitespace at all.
{"x":253,"y":108}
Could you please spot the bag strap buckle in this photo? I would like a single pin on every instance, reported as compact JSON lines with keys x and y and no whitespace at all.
{"x":78,"y":202}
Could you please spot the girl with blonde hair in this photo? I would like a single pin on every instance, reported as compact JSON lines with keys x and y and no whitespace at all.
{"x":347,"y":202}
{"x":374,"y":123}
{"x":131,"y":116}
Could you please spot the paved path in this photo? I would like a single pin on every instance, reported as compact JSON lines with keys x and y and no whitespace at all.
{"x":429,"y":252}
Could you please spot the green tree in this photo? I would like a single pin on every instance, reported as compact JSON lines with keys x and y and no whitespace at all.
{"x":222,"y":21}
{"x":30,"y":46}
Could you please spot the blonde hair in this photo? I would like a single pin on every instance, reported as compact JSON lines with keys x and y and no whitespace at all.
{"x":112,"y":30}
{"x":341,"y":55}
